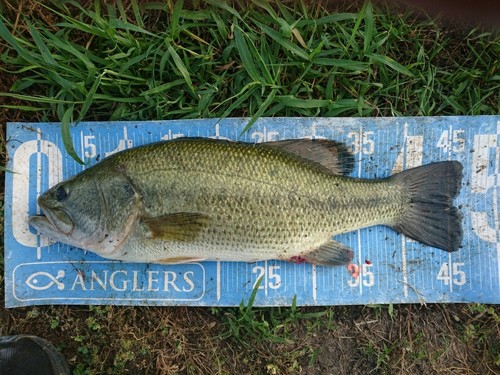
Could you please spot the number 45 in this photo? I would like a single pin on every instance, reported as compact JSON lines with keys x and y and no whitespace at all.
{"x":452,"y":140}
{"x":457,"y":276}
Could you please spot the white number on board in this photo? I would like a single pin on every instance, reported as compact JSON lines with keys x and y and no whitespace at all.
{"x":366,"y":276}
{"x":265,"y":136}
{"x":485,"y":178}
{"x":452,"y":140}
{"x":21,"y":163}
{"x":89,"y":146}
{"x":123,"y":144}
{"x":273,"y":279}
{"x":362,"y":142}
{"x":452,"y":274}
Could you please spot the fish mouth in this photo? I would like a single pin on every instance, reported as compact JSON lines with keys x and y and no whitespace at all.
{"x":54,"y":221}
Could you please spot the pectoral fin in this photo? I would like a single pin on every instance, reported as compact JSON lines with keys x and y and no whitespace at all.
{"x":180,"y":226}
{"x":331,"y":253}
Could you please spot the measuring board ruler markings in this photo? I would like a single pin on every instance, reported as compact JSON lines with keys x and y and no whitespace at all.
{"x":391,"y":267}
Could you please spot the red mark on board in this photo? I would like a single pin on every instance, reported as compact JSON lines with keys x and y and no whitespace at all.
{"x":353,"y":269}
{"x":297,"y":259}
{"x":367,"y":261}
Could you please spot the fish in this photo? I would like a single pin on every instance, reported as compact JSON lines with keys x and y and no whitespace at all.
{"x":196,"y":199}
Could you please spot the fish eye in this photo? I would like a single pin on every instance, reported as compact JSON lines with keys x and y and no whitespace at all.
{"x":61,"y":194}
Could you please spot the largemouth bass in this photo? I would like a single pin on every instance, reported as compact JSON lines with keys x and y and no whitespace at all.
{"x":195,"y":199}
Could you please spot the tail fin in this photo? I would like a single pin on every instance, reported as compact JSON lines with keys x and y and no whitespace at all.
{"x":431,"y":217}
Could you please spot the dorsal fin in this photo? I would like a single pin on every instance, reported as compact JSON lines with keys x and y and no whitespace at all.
{"x":334,"y":156}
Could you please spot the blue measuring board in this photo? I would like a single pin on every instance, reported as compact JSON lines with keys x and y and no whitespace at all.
{"x":391,"y":268}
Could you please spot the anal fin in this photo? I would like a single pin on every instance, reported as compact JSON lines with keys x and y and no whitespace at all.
{"x":331,"y":253}
{"x":178,"y":260}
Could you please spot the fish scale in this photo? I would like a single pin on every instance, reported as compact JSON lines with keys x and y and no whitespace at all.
{"x":251,"y":220}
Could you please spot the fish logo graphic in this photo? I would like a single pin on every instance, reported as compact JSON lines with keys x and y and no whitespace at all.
{"x":36,"y":280}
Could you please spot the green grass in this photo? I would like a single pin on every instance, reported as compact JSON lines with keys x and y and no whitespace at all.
{"x":62,"y":61}
{"x":102,"y":61}
{"x":248,"y":326}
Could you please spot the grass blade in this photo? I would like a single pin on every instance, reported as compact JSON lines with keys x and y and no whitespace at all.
{"x":33,"y":98}
{"x":251,"y":300}
{"x":285,"y":43}
{"x":369,"y":26}
{"x":12,"y":41}
{"x":45,"y":53}
{"x":65,"y":45}
{"x":66,"y":134}
{"x":356,"y":66}
{"x":330,"y":19}
{"x":164,"y":87}
{"x":355,"y":29}
{"x":180,"y":66}
{"x":119,"y":24}
{"x":174,"y":19}
{"x":291,"y":101}
{"x":260,"y":111}
{"x":243,"y":95}
{"x":245,"y":55}
{"x":137,"y":13}
{"x":6,"y":170}
{"x":26,"y":108}
{"x":89,"y":98}
{"x":391,"y":63}
{"x":224,"y":6}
